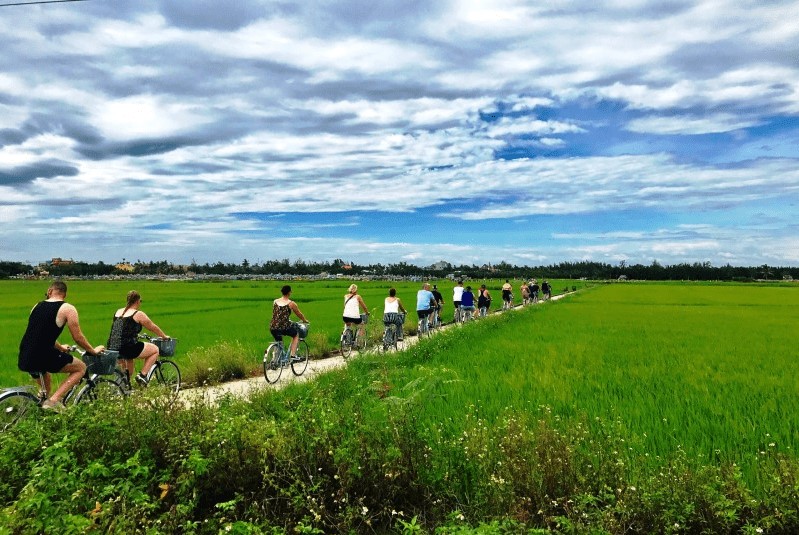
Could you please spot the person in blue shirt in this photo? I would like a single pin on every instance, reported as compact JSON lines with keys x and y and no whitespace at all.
{"x":425,"y":301}
{"x":467,"y":300}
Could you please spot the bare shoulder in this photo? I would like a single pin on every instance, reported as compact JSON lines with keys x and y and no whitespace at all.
{"x":140,"y":316}
{"x":67,"y":312}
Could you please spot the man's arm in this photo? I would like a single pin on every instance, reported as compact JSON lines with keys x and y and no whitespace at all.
{"x":71,"y":317}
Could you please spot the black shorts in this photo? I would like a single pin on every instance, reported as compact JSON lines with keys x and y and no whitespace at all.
{"x":506,"y":295}
{"x":423,"y":313}
{"x":131,"y":351}
{"x":356,"y":321}
{"x":53,"y":362}
{"x":278,"y":334}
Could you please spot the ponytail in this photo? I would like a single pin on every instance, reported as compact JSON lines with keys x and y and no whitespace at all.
{"x":133,"y":298}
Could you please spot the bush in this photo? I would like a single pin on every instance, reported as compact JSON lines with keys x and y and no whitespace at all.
{"x":224,"y":361}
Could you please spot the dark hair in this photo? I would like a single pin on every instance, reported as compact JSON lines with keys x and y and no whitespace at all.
{"x":392,"y":292}
{"x":285,"y":290}
{"x":468,"y":288}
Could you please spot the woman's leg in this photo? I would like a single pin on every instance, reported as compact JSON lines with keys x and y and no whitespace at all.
{"x":150,"y":355}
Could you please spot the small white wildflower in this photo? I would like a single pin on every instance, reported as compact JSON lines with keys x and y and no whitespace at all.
{"x":364,"y":510}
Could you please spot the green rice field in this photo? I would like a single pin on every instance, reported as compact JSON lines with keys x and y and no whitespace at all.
{"x":620,"y":408}
{"x":202,"y":315}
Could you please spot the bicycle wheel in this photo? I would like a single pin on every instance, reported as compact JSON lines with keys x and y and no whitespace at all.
{"x":423,"y":329}
{"x":299,"y":366}
{"x":121,"y":378}
{"x":360,"y":340}
{"x":346,"y":343}
{"x":386,"y":343}
{"x":99,"y":389}
{"x":15,"y":406}
{"x":272,"y":365}
{"x":166,"y":374}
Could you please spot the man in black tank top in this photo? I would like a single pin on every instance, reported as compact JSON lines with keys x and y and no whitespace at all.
{"x":40,"y":353}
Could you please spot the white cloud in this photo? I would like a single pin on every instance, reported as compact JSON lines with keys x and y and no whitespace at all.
{"x":311,"y":111}
{"x":709,"y":124}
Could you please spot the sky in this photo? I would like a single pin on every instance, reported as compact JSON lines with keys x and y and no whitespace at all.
{"x":409,"y":131}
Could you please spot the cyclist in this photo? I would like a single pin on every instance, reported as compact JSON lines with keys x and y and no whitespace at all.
{"x":534,"y":289}
{"x":125,"y":327}
{"x":40,"y":354}
{"x":546,"y":289}
{"x":467,"y":300}
{"x":525,"y":289}
{"x":391,"y":312}
{"x":353,"y":303}
{"x":281,"y":325}
{"x":507,"y":294}
{"x":457,"y":292}
{"x":439,"y":300}
{"x":425,"y":301}
{"x":483,"y":300}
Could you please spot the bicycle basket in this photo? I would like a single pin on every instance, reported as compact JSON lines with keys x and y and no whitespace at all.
{"x":364,"y":319}
{"x":302,"y":329}
{"x":166,"y":346}
{"x":102,"y":364}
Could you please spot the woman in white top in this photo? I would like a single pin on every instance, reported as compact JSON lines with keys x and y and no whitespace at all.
{"x":391,"y":311}
{"x":353,"y":304}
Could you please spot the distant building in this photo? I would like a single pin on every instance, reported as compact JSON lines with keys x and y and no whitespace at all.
{"x":125,"y":266}
{"x":56,"y":261}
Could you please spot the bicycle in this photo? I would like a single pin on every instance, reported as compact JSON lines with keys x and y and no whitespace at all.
{"x":17,"y":403}
{"x":467,"y":314}
{"x":507,"y":304}
{"x":435,"y":318}
{"x":97,"y":386}
{"x":164,"y":373}
{"x":354,"y":339}
{"x":423,"y":327}
{"x":391,"y":333}
{"x":277,"y":357}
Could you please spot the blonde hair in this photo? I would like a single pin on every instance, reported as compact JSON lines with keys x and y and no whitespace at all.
{"x":353,"y":288}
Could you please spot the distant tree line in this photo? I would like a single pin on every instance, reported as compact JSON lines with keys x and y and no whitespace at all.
{"x":563,"y":270}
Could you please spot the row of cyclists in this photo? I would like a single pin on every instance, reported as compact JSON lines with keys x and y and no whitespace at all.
{"x":41,"y":354}
{"x":430,"y":301}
